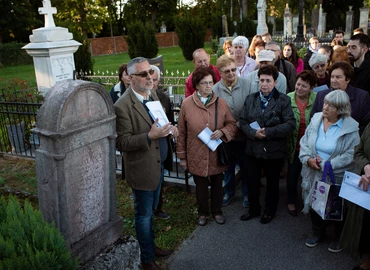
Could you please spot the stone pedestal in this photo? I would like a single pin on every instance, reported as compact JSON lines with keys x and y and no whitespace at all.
{"x":75,"y":166}
{"x":287,"y":22}
{"x":364,"y":18}
{"x":271,"y":19}
{"x":349,"y":23}
{"x":320,"y":30}
{"x":295,"y":24}
{"x":261,"y":25}
{"x":52,"y":50}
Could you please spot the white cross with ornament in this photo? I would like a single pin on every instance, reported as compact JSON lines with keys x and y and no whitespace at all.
{"x":48,"y":11}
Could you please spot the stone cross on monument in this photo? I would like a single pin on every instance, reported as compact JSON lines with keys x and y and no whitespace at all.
{"x":48,"y":11}
{"x":52,"y":50}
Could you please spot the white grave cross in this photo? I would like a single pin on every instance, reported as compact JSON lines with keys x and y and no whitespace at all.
{"x":48,"y":11}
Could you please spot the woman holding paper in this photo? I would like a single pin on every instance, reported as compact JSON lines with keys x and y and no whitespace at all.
{"x":331,"y":136}
{"x":197,"y":113}
{"x":355,"y":237}
{"x":266,"y":120}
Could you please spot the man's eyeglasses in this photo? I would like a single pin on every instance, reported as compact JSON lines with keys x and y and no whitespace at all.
{"x":229,"y":70}
{"x":144,"y":73}
{"x":317,"y":67}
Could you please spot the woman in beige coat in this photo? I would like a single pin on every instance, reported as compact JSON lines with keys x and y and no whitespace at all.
{"x":198,"y":112}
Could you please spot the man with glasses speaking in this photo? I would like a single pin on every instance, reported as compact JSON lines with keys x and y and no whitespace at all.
{"x":233,"y":90}
{"x":146,"y":149}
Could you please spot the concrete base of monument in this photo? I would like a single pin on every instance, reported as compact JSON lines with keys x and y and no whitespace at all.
{"x":124,"y":254}
{"x":94,"y":243}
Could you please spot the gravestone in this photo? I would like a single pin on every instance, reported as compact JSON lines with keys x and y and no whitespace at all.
{"x":75,"y":166}
{"x":261,"y":16}
{"x":349,"y":23}
{"x":295,"y":24}
{"x":225,"y":30}
{"x":287,"y":21}
{"x":364,"y":18}
{"x":272,"y":20}
{"x":52,"y":50}
{"x":320,"y":29}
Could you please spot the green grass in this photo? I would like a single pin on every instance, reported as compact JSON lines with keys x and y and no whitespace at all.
{"x":20,"y":176}
{"x":173,"y":60}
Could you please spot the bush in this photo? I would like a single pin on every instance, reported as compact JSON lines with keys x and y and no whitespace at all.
{"x":12,"y":54}
{"x":141,"y":40}
{"x":27,"y":241}
{"x":246,"y":28}
{"x":191,"y":32}
{"x":83,"y":59}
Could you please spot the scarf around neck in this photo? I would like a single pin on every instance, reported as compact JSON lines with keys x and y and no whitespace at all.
{"x":265,"y":99}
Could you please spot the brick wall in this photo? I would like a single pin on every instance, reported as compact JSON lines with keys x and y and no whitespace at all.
{"x":112,"y":45}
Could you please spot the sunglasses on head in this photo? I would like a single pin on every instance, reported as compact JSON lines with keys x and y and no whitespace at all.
{"x":229,"y":70}
{"x":144,"y":73}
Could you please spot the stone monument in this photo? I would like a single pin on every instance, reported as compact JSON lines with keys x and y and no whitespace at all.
{"x":349,"y":23}
{"x":272,"y":20}
{"x":320,"y":30}
{"x":287,"y":21}
{"x":75,"y":166}
{"x":52,"y":50}
{"x":295,"y":24}
{"x":261,"y":25}
{"x":364,"y":18}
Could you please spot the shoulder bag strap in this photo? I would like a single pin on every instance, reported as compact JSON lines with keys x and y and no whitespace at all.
{"x":216,"y":114}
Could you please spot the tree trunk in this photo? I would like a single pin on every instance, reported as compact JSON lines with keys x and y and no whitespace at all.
{"x":244,"y":8}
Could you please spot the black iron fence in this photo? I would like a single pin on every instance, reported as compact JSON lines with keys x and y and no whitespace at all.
{"x":18,"y":109}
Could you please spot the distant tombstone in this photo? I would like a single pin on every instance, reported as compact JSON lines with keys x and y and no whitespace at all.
{"x":287,"y":21}
{"x":349,"y":23}
{"x":324,"y":14}
{"x":75,"y":166}
{"x":163,"y":28}
{"x":364,"y":17}
{"x":271,"y":19}
{"x":319,"y":25}
{"x":314,"y":20}
{"x":225,"y":30}
{"x":261,"y":16}
{"x":295,"y":24}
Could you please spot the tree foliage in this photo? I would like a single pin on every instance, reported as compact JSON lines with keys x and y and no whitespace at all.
{"x":17,"y":20}
{"x":141,"y":40}
{"x":85,"y":16}
{"x":190,"y":31}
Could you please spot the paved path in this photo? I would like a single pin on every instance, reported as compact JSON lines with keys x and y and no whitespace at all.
{"x":251,"y":245}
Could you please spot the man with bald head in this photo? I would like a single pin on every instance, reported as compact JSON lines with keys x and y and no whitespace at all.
{"x":200,"y":58}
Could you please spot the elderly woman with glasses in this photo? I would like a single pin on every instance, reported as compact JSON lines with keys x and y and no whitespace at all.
{"x":233,"y":90}
{"x":266,"y":120}
{"x":197,"y":113}
{"x":331,"y":136}
{"x":341,"y":74}
{"x":319,"y":63}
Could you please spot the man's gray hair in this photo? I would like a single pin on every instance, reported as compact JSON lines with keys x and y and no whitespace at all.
{"x":273,"y":43}
{"x":156,"y":70}
{"x":340,"y":100}
{"x":131,"y":66}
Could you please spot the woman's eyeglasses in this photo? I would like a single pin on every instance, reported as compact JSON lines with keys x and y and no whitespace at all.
{"x":206,"y":83}
{"x":229,"y":70}
{"x":144,"y":73}
{"x":317,"y":67}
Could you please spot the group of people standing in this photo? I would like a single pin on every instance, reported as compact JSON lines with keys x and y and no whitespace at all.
{"x":264,"y":109}
{"x":283,"y":110}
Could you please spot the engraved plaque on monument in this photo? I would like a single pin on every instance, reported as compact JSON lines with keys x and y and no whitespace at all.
{"x":76,"y":166}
